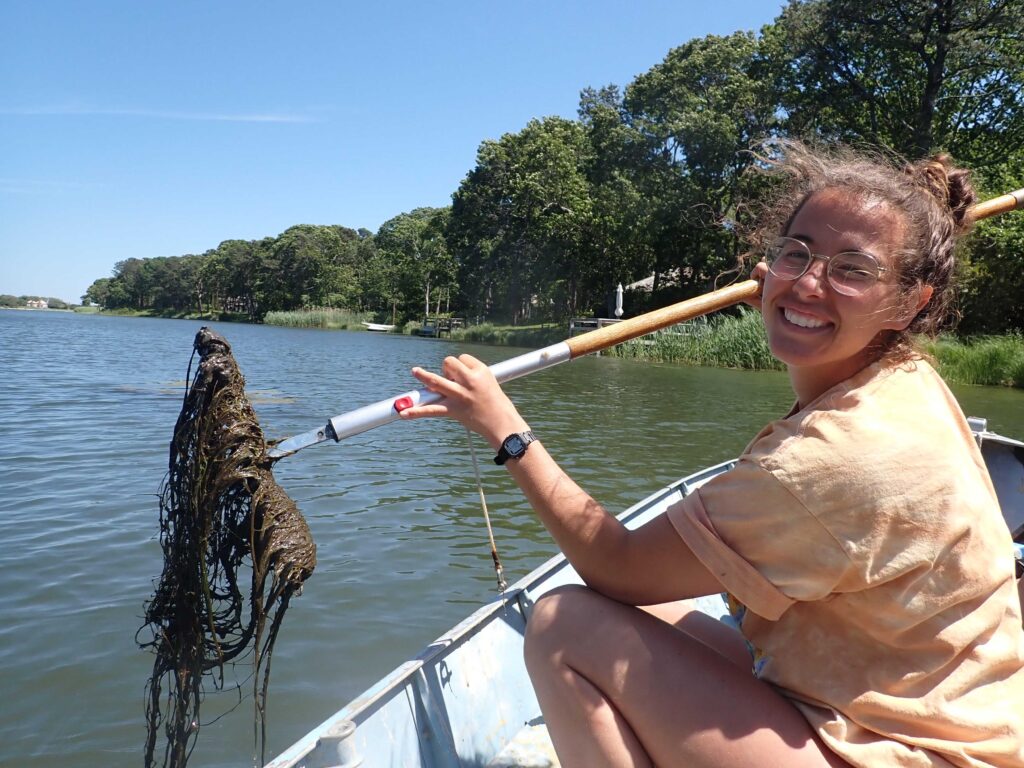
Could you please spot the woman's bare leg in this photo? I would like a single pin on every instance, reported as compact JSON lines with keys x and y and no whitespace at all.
{"x":621,"y":687}
{"x":715,"y":634}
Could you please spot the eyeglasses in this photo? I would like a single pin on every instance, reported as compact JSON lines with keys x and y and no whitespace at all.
{"x":849,"y":273}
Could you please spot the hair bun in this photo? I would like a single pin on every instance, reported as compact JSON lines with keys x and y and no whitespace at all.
{"x":950,"y":186}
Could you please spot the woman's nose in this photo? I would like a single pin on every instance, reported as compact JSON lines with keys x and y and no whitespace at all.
{"x":813,"y":281}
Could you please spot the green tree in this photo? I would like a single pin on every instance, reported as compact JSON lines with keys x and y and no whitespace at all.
{"x":912,"y":75}
{"x":617,"y":236}
{"x":701,"y":109}
{"x":518,"y":222}
{"x":235,"y":275}
{"x":310,"y":266}
{"x":412,"y":262}
{"x":98,"y":292}
{"x":992,"y":295}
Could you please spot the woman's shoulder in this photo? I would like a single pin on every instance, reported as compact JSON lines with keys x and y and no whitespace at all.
{"x":883,"y":409}
{"x":872,"y":440}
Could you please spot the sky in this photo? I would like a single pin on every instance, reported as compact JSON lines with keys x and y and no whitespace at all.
{"x":142,"y":129}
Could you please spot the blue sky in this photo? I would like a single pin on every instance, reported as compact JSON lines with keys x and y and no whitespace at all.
{"x":136,"y":129}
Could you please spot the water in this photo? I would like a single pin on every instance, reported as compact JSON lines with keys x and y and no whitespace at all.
{"x":87,"y":405}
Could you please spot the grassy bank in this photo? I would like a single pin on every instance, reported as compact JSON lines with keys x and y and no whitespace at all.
{"x":990,"y":360}
{"x":169,"y":314}
{"x":334,"y":319}
{"x":721,"y":342}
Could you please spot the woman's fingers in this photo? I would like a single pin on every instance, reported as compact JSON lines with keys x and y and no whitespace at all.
{"x":443,"y":385}
{"x":472,"y":396}
{"x":424,"y":411}
{"x":471,"y":362}
{"x":757,"y":273}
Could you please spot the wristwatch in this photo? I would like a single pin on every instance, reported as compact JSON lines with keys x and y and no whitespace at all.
{"x":514,"y":446}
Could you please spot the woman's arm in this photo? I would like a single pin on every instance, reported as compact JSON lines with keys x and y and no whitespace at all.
{"x":649,"y":565}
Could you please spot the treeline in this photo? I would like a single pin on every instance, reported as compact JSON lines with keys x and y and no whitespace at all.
{"x":648,"y":180}
{"x":18,"y":302}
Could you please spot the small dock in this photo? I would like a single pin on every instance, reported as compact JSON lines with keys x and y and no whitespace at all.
{"x":436,"y":327}
{"x":578,"y":325}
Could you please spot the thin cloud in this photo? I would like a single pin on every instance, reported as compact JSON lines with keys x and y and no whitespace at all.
{"x":221,"y":117}
{"x":44,"y":186}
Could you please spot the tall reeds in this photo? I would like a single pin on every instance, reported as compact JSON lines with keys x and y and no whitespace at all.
{"x":728,"y":341}
{"x":325,"y":317}
{"x":990,"y":360}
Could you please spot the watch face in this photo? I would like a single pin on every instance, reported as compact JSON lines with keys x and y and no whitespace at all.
{"x":514,"y":445}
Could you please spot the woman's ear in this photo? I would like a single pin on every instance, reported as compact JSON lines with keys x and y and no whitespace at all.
{"x":913,"y":307}
{"x":924,"y":296}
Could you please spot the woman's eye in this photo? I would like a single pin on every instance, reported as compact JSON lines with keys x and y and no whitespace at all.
{"x":853,"y":270}
{"x":793,"y":257}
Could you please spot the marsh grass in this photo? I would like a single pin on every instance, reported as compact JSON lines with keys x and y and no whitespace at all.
{"x":725,"y":341}
{"x":511,"y":336}
{"x":327,"y":317}
{"x":987,"y":360}
{"x":739,"y":342}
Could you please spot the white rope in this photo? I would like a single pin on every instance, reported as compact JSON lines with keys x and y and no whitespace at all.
{"x":498,"y":570}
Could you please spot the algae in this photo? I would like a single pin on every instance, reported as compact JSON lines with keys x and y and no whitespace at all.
{"x":236,"y":549}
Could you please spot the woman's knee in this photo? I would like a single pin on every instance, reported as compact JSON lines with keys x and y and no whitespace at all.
{"x":553,"y":622}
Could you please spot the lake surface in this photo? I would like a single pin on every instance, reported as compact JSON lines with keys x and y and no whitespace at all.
{"x":87,"y":407}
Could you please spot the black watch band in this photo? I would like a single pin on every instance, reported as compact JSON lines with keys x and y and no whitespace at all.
{"x":514,"y":446}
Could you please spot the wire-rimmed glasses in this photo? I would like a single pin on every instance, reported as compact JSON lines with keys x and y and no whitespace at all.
{"x":849,"y":273}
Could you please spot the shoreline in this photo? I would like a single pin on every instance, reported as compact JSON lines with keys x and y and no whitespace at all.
{"x":725,"y":341}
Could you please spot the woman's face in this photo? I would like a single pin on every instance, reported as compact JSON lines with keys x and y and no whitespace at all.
{"x":824,"y":336}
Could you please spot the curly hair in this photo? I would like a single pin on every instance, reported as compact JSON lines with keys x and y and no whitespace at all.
{"x":931,"y":196}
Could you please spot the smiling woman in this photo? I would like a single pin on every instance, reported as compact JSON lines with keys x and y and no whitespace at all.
{"x":859,"y":538}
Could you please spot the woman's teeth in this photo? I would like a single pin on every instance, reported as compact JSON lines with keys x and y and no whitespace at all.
{"x":804,"y":321}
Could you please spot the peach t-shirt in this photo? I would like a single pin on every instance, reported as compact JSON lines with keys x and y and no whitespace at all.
{"x":863,"y":544}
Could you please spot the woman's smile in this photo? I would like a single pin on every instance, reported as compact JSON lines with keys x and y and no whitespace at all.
{"x":804,"y":320}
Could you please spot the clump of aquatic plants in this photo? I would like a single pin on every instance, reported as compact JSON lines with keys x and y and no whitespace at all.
{"x":235,"y":547}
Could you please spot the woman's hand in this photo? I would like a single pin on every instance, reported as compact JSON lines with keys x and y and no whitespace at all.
{"x":759,"y":272}
{"x":472,"y":396}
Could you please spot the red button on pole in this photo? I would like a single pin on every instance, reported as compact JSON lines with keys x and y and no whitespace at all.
{"x":402,"y":403}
